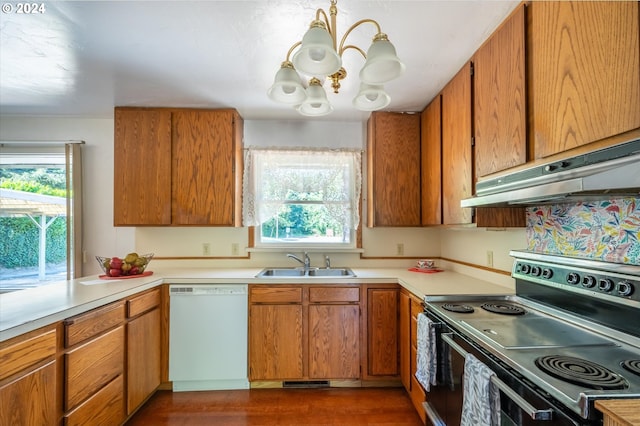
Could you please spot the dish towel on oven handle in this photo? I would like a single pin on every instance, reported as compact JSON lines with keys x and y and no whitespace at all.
{"x":426,"y":359}
{"x":481,"y":398}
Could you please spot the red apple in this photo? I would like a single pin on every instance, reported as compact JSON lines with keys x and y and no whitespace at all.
{"x":134,"y":270}
{"x":114,"y":272}
{"x":115,"y":263}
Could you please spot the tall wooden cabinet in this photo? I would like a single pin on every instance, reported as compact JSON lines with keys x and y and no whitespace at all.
{"x":456,"y":148}
{"x":500,"y":115}
{"x":393,"y":169}
{"x":177,"y":167}
{"x":584,"y":79}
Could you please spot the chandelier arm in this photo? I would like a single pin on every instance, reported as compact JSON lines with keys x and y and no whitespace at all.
{"x":351,"y":46}
{"x":353,"y":27}
{"x":298,"y":43}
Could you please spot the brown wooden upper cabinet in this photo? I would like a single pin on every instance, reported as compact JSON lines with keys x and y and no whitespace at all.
{"x":456,"y":148}
{"x":393,"y":162}
{"x":431,"y":152}
{"x":584,"y":79}
{"x":500,"y":98}
{"x":177,"y":167}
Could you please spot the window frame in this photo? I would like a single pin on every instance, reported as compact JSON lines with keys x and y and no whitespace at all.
{"x":355,"y":185}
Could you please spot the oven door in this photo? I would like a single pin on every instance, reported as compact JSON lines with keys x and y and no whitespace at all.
{"x":520,"y":405}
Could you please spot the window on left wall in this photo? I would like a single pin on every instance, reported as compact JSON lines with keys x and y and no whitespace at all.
{"x":40,"y":213}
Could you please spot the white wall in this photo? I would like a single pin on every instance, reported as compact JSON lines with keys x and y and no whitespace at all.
{"x":101,"y":238}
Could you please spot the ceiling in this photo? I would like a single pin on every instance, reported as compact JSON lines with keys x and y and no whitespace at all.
{"x":82,"y":58}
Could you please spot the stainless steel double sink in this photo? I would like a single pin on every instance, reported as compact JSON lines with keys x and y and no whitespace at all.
{"x":300,"y":272}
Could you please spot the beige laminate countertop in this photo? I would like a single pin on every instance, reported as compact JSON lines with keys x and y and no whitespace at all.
{"x":26,"y":310}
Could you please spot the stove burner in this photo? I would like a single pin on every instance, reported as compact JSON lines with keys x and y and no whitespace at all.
{"x":461,"y":309}
{"x":503,"y":308}
{"x":580,"y":372}
{"x":632,"y":365}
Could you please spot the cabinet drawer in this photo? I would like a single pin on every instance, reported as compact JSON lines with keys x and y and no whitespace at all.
{"x":105,"y":407}
{"x":334,"y":294}
{"x":92,"y":365}
{"x":143,"y":303}
{"x":92,"y":323}
{"x":276,"y":295}
{"x":23,"y":354}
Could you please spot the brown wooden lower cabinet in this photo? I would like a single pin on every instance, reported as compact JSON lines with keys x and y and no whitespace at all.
{"x":143,"y":357}
{"x":323,"y":332}
{"x":30,"y":399}
{"x":410,"y":307}
{"x":275,"y":342}
{"x":382,"y":332}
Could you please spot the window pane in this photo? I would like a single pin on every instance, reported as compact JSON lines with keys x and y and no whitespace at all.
{"x":33,"y":221}
{"x":308,"y":223}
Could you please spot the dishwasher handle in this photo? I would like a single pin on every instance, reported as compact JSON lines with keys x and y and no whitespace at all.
{"x":533,"y":412}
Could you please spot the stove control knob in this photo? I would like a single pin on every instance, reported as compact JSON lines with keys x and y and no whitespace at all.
{"x":589,"y":281}
{"x":625,"y":288}
{"x":535,"y":271}
{"x":605,"y":284}
{"x":525,"y":268}
{"x":573,"y":278}
{"x":547,"y":273}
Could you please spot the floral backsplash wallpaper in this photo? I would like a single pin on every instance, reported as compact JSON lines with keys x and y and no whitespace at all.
{"x":601,"y":230}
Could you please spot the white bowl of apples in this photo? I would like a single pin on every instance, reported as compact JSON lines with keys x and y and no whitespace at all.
{"x":129,"y":266}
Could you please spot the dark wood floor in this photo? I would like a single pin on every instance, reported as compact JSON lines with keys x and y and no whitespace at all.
{"x":327,"y":406}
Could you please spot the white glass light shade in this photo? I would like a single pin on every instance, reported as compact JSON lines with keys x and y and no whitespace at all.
{"x":287,"y":87}
{"x":316,"y":56}
{"x":316,"y":103}
{"x":382,"y":63}
{"x":371,"y":98}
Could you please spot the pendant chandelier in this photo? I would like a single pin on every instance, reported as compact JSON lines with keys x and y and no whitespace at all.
{"x":319,"y":57}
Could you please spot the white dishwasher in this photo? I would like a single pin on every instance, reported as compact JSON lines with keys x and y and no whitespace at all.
{"x":208,"y":336}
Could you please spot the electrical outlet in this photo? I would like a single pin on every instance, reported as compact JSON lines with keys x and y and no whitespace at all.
{"x":235,"y":249}
{"x":490,"y":258}
{"x":206,"y":249}
{"x":399,"y":249}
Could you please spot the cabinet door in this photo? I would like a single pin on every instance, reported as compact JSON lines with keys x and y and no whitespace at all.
{"x":456,"y":147}
{"x":405,"y":341}
{"x":142,"y":167}
{"x":431,"y":153}
{"x":275,"y":342}
{"x":585,"y":78}
{"x":204,"y":168}
{"x":104,"y":408}
{"x":500,"y":100}
{"x":394,"y":169}
{"x":31,"y":399}
{"x":143,"y":358}
{"x":334,"y":341}
{"x":382,"y":327}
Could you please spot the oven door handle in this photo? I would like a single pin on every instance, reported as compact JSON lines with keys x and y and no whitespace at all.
{"x":533,"y":412}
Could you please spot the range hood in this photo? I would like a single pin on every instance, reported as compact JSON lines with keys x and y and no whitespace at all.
{"x":607,"y":173}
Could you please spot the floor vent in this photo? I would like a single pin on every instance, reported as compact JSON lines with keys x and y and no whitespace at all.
{"x":306,"y":384}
